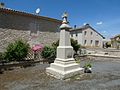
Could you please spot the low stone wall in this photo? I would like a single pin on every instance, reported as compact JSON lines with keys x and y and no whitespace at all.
{"x":10,"y":35}
{"x":103,"y":58}
{"x":113,"y":52}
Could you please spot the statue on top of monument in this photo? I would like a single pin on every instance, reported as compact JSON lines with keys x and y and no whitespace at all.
{"x":64,"y":16}
{"x":65,"y":22}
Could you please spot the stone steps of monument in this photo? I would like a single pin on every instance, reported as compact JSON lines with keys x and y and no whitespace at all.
{"x":64,"y":67}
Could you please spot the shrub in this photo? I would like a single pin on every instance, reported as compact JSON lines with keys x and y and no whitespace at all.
{"x":55,"y":44}
{"x":17,"y":51}
{"x":77,"y":60}
{"x":87,"y":65}
{"x":108,"y":44}
{"x":75,"y":45}
{"x":1,"y":56}
{"x":48,"y":53}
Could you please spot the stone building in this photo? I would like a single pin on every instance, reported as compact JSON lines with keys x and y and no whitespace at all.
{"x":31,"y":27}
{"x":87,"y":36}
{"x":115,"y":41}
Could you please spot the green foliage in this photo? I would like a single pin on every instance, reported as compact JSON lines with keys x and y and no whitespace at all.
{"x":118,"y":41}
{"x":55,"y":44}
{"x":87,"y":65}
{"x":75,"y":45}
{"x":108,"y":44}
{"x":77,"y":60}
{"x":1,"y":56}
{"x":17,"y":51}
{"x":48,"y":53}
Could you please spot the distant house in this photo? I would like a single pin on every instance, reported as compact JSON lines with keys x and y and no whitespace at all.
{"x":115,"y":41}
{"x":87,"y":36}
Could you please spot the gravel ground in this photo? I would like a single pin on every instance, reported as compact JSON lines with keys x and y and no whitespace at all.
{"x":105,"y":76}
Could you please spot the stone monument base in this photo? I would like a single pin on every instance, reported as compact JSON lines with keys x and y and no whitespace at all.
{"x":64,"y":69}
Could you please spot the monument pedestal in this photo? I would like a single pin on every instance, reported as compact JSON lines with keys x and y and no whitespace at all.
{"x":61,"y":71}
{"x":64,"y":65}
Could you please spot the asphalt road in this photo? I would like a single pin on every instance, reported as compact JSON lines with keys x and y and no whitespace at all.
{"x":105,"y":76}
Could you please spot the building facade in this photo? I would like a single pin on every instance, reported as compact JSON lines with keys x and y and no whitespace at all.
{"x":18,"y":20}
{"x":30,"y":27}
{"x":87,"y":36}
{"x":115,"y":41}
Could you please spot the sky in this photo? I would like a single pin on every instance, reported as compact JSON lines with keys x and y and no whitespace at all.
{"x":102,"y":15}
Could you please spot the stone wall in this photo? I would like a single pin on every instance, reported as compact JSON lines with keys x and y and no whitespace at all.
{"x":32,"y":28}
{"x":44,"y":38}
{"x":20,"y":21}
{"x":10,"y":35}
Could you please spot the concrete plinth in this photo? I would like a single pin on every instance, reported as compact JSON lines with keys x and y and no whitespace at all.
{"x":65,"y":72}
{"x":64,"y":65}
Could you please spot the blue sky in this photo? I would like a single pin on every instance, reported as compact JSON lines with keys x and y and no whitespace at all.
{"x":103,"y":15}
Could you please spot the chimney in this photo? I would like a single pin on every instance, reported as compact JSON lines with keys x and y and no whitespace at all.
{"x":87,"y":24}
{"x":75,"y":26}
{"x":2,"y":5}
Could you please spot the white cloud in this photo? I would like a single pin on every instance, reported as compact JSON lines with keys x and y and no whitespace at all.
{"x":104,"y":32}
{"x":99,"y":23}
{"x":84,"y":23}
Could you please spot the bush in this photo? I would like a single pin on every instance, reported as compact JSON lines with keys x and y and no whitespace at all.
{"x":108,"y":44}
{"x":75,"y":45}
{"x":87,"y":65}
{"x":1,"y":56}
{"x":17,"y":51}
{"x":48,"y":53}
{"x":55,"y":44}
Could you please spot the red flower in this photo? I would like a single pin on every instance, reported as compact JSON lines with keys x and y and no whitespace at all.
{"x":37,"y":47}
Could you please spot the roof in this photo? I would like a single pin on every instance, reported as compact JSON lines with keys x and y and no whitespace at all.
{"x":11,"y":11}
{"x":118,"y":35}
{"x":85,"y":27}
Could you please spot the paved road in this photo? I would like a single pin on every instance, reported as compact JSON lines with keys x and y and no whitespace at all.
{"x":105,"y":76}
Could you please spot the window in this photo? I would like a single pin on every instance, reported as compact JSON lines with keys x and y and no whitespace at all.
{"x":85,"y":42}
{"x":85,"y":32}
{"x":91,"y":33}
{"x":76,"y":34}
{"x":71,"y":35}
{"x":96,"y":43}
{"x":91,"y":42}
